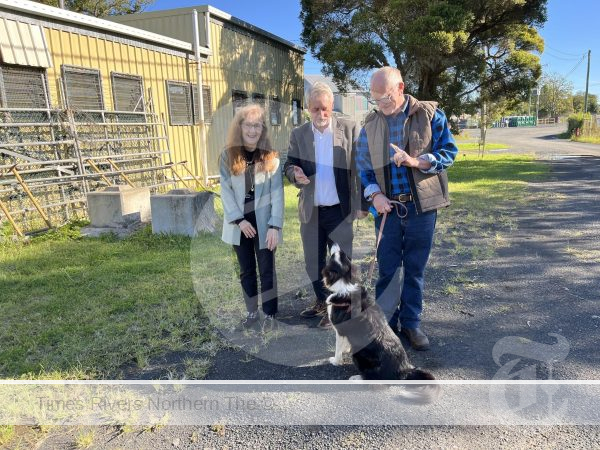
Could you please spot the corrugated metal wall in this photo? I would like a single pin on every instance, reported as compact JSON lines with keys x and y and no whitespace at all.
{"x":240,"y":62}
{"x":155,"y":68}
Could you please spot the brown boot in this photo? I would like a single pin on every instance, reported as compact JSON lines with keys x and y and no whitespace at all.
{"x":418,"y":340}
{"x":316,"y":309}
{"x":325,"y":323}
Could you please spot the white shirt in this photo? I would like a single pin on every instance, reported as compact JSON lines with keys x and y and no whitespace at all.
{"x":325,"y":190}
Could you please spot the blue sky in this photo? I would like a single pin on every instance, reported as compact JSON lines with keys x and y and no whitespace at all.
{"x":571,"y":30}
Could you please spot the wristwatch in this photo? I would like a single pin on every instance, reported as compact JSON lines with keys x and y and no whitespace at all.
{"x":371,"y":197}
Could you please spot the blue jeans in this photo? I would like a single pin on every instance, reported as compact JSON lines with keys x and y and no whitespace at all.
{"x":406,"y":242}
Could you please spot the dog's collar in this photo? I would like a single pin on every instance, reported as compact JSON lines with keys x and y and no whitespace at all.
{"x":341,"y":305}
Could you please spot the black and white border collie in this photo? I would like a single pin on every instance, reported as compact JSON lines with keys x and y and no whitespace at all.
{"x":361,"y":327}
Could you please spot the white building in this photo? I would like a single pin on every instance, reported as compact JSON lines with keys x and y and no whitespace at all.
{"x":352,"y":105}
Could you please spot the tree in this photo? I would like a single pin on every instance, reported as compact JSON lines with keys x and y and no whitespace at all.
{"x":579,"y":99}
{"x":555,"y":95}
{"x":99,"y":8}
{"x":454,"y":51}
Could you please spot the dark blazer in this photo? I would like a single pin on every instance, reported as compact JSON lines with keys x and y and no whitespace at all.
{"x":301,"y":153}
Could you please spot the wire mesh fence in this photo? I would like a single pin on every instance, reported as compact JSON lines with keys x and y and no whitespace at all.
{"x":51,"y":158}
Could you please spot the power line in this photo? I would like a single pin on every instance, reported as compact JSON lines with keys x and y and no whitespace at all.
{"x":560,"y":51}
{"x":561,"y":58}
{"x":575,"y":67}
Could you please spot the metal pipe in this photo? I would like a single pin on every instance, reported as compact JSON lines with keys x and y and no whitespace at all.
{"x":203,"y":150}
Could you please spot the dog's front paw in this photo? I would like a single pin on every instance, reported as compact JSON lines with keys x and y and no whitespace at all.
{"x":336,"y":362}
{"x":355,"y":378}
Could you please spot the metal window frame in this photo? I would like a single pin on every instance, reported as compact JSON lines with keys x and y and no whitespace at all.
{"x":243,"y":94}
{"x":274,"y":107}
{"x":260,"y":99}
{"x":116,"y":75}
{"x":196,"y":107}
{"x":43,"y":72}
{"x":187,"y":91}
{"x":297,"y":118}
{"x":66,"y":68}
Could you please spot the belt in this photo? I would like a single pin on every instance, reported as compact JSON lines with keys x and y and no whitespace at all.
{"x":402,"y":198}
{"x":323,"y":207}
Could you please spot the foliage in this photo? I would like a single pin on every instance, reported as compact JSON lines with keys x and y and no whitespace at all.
{"x":555,"y":95}
{"x":447,"y":50}
{"x":575,"y":122}
{"x":579,"y":100}
{"x":100,"y":8}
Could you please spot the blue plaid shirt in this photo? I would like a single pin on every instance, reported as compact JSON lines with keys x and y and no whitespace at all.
{"x":443,"y":152}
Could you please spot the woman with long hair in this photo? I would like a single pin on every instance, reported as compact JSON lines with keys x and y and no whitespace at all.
{"x":252,"y":196}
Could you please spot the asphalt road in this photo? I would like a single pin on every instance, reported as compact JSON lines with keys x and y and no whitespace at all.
{"x":532,"y":311}
{"x":543,"y":141}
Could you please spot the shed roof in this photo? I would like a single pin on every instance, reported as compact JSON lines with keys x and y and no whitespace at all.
{"x":213,"y":12}
{"x":65,"y":16}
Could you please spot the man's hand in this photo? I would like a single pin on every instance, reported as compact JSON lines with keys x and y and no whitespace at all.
{"x":361,"y":214}
{"x":401,"y":158}
{"x":247,"y":229}
{"x":382,"y":204}
{"x":299,"y":176}
{"x":272,"y":238}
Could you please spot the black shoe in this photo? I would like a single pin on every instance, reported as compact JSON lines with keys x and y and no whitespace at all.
{"x":249,"y":321}
{"x":314,"y":310}
{"x":418,"y":340}
{"x":269,"y":324}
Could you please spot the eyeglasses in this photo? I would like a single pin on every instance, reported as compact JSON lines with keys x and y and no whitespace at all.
{"x":383,"y":100}
{"x":252,"y":126}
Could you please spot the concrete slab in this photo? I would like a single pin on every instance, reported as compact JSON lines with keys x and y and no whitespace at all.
{"x":184,"y":212}
{"x":119,"y":206}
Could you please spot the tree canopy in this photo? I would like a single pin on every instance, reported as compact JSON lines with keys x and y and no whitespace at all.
{"x":453,"y":51}
{"x":555,"y":95}
{"x":99,"y":8}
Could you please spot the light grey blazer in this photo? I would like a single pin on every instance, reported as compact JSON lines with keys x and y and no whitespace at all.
{"x":268,"y":201}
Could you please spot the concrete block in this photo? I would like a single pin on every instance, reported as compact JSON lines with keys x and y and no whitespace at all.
{"x":119,"y":206}
{"x":184,"y":212}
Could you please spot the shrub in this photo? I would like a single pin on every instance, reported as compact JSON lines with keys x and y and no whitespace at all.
{"x":577,"y":121}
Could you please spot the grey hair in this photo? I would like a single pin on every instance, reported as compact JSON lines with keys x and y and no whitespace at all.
{"x":318,"y":89}
{"x":391,"y":75}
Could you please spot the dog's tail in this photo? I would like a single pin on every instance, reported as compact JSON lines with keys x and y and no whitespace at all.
{"x":421,"y":393}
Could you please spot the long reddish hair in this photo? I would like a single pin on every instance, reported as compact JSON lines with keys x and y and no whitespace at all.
{"x":235,"y":143}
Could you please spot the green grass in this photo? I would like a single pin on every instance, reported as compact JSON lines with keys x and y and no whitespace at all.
{"x":76,"y":307}
{"x":470,"y":146}
{"x":587,"y":139}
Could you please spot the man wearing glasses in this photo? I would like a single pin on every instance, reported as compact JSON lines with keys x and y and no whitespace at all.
{"x":321,"y":163}
{"x":403,"y":152}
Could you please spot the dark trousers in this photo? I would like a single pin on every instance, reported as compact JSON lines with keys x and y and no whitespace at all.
{"x":326,"y":227}
{"x":248,"y":254}
{"x":406,"y":242}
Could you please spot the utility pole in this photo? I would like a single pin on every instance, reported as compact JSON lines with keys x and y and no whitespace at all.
{"x":587,"y":84}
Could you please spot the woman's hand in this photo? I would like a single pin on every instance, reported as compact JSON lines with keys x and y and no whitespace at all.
{"x":272,"y":238}
{"x":247,"y":229}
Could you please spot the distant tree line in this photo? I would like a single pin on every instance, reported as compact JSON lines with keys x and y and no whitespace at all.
{"x":100,"y":8}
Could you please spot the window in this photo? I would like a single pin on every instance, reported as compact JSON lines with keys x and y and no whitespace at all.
{"x":83,"y":88}
{"x":128,"y":92}
{"x":259,"y":99}
{"x":239,"y":98}
{"x":206,"y":100}
{"x":180,"y":103}
{"x":296,"y":112}
{"x":23,"y":87}
{"x":275,"y":111}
